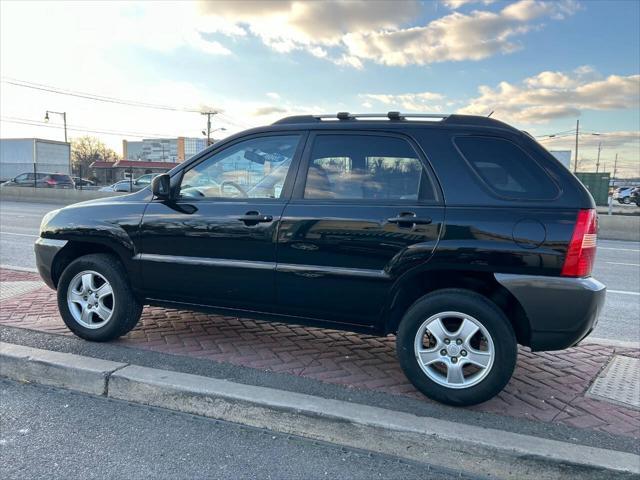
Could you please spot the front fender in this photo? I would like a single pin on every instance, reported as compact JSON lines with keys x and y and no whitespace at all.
{"x":112,"y":224}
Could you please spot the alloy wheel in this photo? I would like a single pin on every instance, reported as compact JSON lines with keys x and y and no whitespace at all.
{"x":454,"y":349}
{"x":90,"y":299}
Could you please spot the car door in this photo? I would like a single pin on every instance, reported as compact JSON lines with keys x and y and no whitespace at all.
{"x":215,"y":243}
{"x":366,"y":208}
{"x":24,"y":179}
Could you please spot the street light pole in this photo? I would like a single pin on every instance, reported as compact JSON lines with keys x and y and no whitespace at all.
{"x":64,"y":120}
{"x":598,"y":159}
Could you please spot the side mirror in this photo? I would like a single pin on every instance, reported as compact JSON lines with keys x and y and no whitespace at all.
{"x":161,"y":186}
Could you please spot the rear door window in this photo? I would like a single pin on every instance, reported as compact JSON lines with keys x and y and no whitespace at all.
{"x":366,"y":167}
{"x":506,"y":169}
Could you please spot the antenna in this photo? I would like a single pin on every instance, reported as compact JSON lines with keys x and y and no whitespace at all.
{"x":490,"y":113}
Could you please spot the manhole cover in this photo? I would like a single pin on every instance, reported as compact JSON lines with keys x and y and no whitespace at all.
{"x":619,"y":382}
{"x":12,"y":289}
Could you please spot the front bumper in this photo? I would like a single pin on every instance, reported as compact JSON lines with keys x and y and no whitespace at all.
{"x":46,"y":250}
{"x":561,"y":311}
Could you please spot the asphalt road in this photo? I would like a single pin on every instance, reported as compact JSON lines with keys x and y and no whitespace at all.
{"x":48,"y":433}
{"x":617,"y":265}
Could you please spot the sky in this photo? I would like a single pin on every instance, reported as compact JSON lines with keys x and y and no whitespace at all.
{"x":538,"y":65}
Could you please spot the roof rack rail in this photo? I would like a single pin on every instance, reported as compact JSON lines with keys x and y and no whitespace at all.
{"x":389,"y":115}
{"x":449,"y":119}
{"x":355,"y":116}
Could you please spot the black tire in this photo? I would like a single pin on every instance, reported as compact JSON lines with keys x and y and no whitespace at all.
{"x":626,"y":200}
{"x":484,"y":311}
{"x":126,"y":307}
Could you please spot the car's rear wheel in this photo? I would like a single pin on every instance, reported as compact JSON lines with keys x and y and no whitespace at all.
{"x":457,"y":347}
{"x":95,"y":298}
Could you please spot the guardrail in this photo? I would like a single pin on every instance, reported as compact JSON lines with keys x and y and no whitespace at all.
{"x":52,"y":195}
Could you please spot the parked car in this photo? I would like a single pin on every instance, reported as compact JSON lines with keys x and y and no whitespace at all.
{"x":144,"y":180}
{"x":121,"y":186}
{"x":635,"y":196}
{"x":463,"y":236}
{"x":130,"y":186}
{"x":623,"y":194}
{"x":83,"y":182}
{"x":41,"y":180}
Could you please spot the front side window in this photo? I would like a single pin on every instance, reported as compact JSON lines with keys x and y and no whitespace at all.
{"x":366,"y":167}
{"x":506,"y":169}
{"x":254,"y":168}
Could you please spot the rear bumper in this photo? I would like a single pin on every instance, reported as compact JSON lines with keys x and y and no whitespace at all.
{"x":46,"y":250}
{"x":561,"y":311}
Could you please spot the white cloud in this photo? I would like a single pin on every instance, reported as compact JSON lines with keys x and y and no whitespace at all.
{"x":268,"y":110}
{"x":351,"y":32}
{"x":550,"y":95}
{"x":417,"y":102}
{"x":286,"y":25}
{"x":455,"y":4}
{"x":273,"y":95}
{"x":455,"y":37}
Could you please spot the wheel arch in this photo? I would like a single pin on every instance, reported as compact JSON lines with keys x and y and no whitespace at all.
{"x":415,"y":286}
{"x":75,"y":249}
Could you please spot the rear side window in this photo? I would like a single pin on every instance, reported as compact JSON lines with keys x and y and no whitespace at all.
{"x":366,"y":167}
{"x":506,"y":169}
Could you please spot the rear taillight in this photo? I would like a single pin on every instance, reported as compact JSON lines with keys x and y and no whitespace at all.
{"x":51,"y":181}
{"x":582,"y":248}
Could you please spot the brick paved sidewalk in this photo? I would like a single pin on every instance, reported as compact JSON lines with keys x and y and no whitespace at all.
{"x":547,"y":387}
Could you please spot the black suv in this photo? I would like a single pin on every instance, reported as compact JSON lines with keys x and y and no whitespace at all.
{"x":459,"y":234}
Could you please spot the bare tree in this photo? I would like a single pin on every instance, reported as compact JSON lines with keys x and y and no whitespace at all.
{"x":86,"y":150}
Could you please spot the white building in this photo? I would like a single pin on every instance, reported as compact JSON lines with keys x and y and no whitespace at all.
{"x":23,"y":155}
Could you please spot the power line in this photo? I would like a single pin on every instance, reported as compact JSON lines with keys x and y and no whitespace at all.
{"x":78,"y":128}
{"x":93,"y":96}
{"x":107,"y":99}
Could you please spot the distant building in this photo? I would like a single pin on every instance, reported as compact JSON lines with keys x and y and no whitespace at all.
{"x":173,"y":150}
{"x":23,"y":155}
{"x":564,"y":156}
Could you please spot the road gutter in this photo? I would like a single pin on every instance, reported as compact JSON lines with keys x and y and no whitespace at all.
{"x":431,"y":440}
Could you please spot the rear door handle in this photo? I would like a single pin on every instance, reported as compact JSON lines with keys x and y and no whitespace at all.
{"x":255,"y":217}
{"x":409,"y":218}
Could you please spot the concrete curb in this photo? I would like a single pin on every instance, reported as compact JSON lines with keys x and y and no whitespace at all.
{"x":19,"y":269}
{"x":424,"y":439}
{"x":612,"y":343}
{"x":63,"y":370}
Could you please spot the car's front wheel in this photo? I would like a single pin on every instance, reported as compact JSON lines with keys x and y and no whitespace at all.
{"x":457,"y":347}
{"x":95,"y":298}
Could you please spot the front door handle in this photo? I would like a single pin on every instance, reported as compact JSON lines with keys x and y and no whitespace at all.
{"x":409,"y":218}
{"x":253,"y":218}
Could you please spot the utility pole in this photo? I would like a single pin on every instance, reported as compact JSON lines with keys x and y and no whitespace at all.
{"x":615,"y":167}
{"x":209,"y":114}
{"x":575,"y":162}
{"x":598,"y":159}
